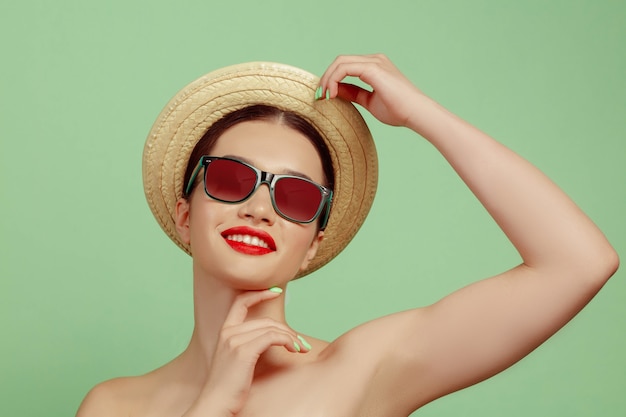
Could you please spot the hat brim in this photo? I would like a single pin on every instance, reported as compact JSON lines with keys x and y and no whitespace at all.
{"x":190,"y":113}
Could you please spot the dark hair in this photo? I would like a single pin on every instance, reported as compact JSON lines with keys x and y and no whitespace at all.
{"x":260,"y":112}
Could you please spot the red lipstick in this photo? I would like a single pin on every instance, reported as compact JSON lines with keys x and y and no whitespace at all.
{"x":249,"y":241}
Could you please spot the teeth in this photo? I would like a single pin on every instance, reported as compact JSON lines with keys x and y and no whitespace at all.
{"x":248,"y":240}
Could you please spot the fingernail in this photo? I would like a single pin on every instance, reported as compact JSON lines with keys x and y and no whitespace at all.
{"x":277,"y":290}
{"x":318,"y":93}
{"x":327,"y":94}
{"x":296,"y":346}
{"x":304,"y":342}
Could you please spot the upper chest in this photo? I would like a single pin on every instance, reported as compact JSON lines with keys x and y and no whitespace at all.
{"x":340,"y":382}
{"x":330,"y":389}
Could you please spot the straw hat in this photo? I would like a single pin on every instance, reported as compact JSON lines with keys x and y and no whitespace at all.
{"x":189,"y":114}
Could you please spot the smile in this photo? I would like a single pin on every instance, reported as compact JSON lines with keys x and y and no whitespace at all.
{"x":249,"y":240}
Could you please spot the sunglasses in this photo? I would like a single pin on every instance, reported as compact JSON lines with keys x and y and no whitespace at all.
{"x":297,"y":199}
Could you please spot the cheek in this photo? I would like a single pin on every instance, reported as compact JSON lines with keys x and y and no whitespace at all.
{"x":303,"y":237}
{"x":205,"y":216}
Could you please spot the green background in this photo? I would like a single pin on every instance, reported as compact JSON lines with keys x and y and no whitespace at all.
{"x":91,"y":288}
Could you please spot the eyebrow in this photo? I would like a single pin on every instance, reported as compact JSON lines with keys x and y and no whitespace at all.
{"x":285,"y":171}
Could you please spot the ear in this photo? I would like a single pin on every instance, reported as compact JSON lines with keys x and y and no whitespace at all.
{"x":182,"y":220}
{"x":310,"y":254}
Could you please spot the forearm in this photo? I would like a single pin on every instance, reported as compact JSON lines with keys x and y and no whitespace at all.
{"x":545,"y":226}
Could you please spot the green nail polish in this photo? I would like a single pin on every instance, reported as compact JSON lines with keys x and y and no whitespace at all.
{"x":277,"y":290}
{"x":318,"y":93}
{"x":296,"y":346}
{"x":304,"y":342}
{"x":327,"y":94}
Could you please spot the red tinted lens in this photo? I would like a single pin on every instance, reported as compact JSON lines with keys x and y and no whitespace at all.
{"x":229,"y":180}
{"x":297,"y":198}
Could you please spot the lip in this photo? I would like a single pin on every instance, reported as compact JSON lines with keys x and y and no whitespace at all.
{"x":249,"y":249}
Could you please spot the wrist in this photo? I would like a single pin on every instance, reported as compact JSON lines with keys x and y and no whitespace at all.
{"x":422,"y":109}
{"x":430,"y":119}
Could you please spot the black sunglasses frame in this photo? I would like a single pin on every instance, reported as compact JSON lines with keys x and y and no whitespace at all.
{"x":264,"y":177}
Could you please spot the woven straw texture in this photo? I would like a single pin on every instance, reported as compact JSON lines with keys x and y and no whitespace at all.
{"x":196,"y":107}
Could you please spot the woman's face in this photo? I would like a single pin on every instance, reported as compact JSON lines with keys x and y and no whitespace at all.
{"x":209,"y":225}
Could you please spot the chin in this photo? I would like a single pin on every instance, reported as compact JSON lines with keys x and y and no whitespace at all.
{"x":252,"y":278}
{"x":248,"y":272}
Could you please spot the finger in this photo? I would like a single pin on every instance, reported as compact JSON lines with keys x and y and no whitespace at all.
{"x":343,"y":59}
{"x":243,"y":302}
{"x":254,"y":325}
{"x":249,"y":330}
{"x":351,"y":65}
{"x":354,"y":93}
{"x":253,"y":344}
{"x":338,"y":73}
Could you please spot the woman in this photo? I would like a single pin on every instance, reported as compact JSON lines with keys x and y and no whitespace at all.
{"x":248,"y":243}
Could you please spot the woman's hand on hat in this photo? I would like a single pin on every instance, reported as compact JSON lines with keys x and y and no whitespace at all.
{"x":238,"y":349}
{"x":393,"y":98}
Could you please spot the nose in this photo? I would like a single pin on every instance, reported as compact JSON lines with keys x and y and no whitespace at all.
{"x":258,"y":207}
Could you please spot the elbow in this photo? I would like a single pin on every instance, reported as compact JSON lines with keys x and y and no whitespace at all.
{"x":605,"y":264}
{"x":612,"y":263}
{"x":592,"y":265}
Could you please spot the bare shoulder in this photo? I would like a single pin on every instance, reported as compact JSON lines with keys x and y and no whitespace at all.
{"x":391,"y":345}
{"x":382,"y":333}
{"x":110,"y":398}
{"x":381,"y":359}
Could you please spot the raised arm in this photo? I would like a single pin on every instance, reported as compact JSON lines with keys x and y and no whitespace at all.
{"x":485,"y":327}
